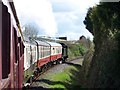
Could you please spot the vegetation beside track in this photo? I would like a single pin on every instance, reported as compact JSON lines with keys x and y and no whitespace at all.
{"x":76,"y":51}
{"x":102,"y":70}
{"x":68,"y":79}
{"x":61,"y":77}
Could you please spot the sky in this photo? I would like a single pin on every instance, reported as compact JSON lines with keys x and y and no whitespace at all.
{"x":55,"y":18}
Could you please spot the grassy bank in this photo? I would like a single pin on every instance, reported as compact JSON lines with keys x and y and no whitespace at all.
{"x":66,"y":80}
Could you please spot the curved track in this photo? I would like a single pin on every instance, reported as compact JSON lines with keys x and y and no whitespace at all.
{"x":43,"y":80}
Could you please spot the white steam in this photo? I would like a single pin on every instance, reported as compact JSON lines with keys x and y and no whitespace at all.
{"x":38,"y":11}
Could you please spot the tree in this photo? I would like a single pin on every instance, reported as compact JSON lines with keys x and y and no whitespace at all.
{"x":30,"y":31}
{"x":103,"y":22}
{"x":88,"y":22}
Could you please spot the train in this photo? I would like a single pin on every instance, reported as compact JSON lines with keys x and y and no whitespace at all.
{"x":41,"y":54}
{"x":22,"y":60}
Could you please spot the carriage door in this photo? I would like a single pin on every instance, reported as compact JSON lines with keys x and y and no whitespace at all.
{"x":20,"y":63}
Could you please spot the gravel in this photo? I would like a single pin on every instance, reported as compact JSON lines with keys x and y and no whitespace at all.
{"x":45,"y":77}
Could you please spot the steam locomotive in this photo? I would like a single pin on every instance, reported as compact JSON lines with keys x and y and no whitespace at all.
{"x":22,"y":60}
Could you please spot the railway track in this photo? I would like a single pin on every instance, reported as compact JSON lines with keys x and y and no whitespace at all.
{"x":43,"y":77}
{"x":29,"y":85}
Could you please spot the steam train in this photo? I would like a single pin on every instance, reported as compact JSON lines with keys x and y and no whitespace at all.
{"x":40,"y":54}
{"x":22,"y":60}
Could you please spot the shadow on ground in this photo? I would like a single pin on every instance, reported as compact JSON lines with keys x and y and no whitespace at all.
{"x":73,"y":84}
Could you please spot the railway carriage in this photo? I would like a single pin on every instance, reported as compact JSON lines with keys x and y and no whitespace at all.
{"x":11,"y":47}
{"x":30,"y":60}
{"x":44,"y":53}
{"x":38,"y":55}
{"x":56,"y":52}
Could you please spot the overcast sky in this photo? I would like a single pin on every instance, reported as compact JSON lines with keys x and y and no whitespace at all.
{"x":55,"y":17}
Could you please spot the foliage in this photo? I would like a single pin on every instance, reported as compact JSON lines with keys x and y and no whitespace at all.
{"x":76,"y":50}
{"x":30,"y":31}
{"x":86,"y":42}
{"x":65,"y":81}
{"x":103,"y":22}
{"x":88,"y":22}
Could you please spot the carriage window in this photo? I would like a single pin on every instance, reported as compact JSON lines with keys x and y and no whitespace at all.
{"x":28,"y":53}
{"x":34,"y":53}
{"x":43,"y":51}
{"x":53,"y":50}
{"x":16,"y":45}
{"x":39,"y":52}
{"x":5,"y":42}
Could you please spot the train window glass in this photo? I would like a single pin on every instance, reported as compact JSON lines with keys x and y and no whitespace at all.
{"x":53,"y":50}
{"x":34,"y":53}
{"x":28,"y":54}
{"x":6,"y":23}
{"x":49,"y":51}
{"x":43,"y":51}
{"x":31,"y":60}
{"x":58,"y":50}
{"x":39,"y":52}
{"x":21,"y":46}
{"x":46,"y":52}
{"x":16,"y":45}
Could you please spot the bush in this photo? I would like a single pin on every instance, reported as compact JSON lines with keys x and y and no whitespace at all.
{"x":76,"y":50}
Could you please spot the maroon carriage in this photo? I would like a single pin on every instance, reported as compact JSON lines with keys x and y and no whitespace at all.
{"x":11,"y":47}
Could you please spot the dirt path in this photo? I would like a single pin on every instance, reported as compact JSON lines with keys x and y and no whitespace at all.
{"x":44,"y":80}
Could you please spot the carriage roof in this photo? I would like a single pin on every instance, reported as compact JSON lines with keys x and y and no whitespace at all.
{"x":54,"y":43}
{"x":42,"y":43}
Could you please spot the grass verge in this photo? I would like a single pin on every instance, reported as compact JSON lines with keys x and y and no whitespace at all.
{"x":66,"y":80}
